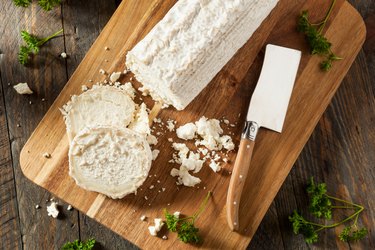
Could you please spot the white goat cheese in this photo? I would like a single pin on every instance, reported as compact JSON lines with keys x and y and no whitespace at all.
{"x":52,"y":210}
{"x":23,"y":89}
{"x":187,"y":131}
{"x":155,"y":154}
{"x":186,"y":49}
{"x":109,"y":160}
{"x":157,"y":227}
{"x":141,"y":122}
{"x":99,"y":106}
{"x":215,"y":166}
{"x":115,"y":76}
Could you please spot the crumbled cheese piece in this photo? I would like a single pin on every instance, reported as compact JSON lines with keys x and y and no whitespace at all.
{"x":184,"y":178}
{"x":226,"y":121}
{"x":53,"y":210}
{"x":23,"y":89}
{"x":155,"y":154}
{"x":227,"y":142}
{"x":177,"y":214}
{"x":170,"y":125}
{"x":143,"y":217}
{"x":193,"y":162}
{"x":140,"y":123}
{"x":152,"y":140}
{"x":63,"y":55}
{"x":69,"y":208}
{"x":157,"y":120}
{"x":146,"y":198}
{"x":165,"y":237}
{"x":170,"y":139}
{"x":158,"y":225}
{"x":47,"y":155}
{"x":152,"y":187}
{"x":128,"y":88}
{"x":102,"y":71}
{"x":106,"y":48}
{"x":163,"y":189}
{"x":37,"y":206}
{"x":187,"y":131}
{"x":115,"y":76}
{"x":84,"y":88}
{"x":215,"y":166}
{"x":210,"y":131}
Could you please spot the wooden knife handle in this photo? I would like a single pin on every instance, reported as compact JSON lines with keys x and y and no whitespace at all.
{"x":237,"y":181}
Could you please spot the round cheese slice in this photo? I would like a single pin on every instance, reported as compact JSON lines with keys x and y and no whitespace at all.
{"x":99,"y":106}
{"x":109,"y":160}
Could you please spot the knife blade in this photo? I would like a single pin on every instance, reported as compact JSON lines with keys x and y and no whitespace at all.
{"x":267,"y":109}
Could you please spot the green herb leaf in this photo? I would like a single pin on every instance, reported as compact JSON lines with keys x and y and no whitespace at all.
{"x":320,"y":205}
{"x":188,"y":233}
{"x":22,"y":3}
{"x":185,"y":228}
{"x":319,"y":45}
{"x":48,"y":5}
{"x":79,"y":245}
{"x":348,"y":234}
{"x":33,"y":44}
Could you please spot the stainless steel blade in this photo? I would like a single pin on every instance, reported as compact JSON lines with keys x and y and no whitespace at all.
{"x":270,"y":100}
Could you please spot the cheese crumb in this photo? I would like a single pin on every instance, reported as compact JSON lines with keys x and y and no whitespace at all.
{"x":84,"y":88}
{"x":102,"y":71}
{"x":157,"y":227}
{"x":47,"y":155}
{"x":128,"y":88}
{"x":177,"y":214}
{"x":63,"y":55}
{"x":170,"y":125}
{"x":184,"y":178}
{"x":106,"y":48}
{"x":23,"y":89}
{"x":53,"y":210}
{"x":37,"y":206}
{"x":165,"y":237}
{"x":155,"y":154}
{"x":115,"y":76}
{"x":215,"y":166}
{"x":187,"y":131}
{"x":143,"y":217}
{"x":69,"y":208}
{"x":151,"y":139}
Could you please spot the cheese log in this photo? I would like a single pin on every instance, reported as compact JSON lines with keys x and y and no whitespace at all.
{"x":109,"y":160}
{"x":191,"y":44}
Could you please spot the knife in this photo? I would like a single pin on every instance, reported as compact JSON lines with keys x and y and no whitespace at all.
{"x":268,"y":107}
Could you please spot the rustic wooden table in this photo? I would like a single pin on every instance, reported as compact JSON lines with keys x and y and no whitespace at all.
{"x":340,"y":151}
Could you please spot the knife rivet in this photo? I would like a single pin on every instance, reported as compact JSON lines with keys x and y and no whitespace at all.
{"x":234,"y":203}
{"x":235,"y":223}
{"x":248,"y":146}
{"x":241,"y":176}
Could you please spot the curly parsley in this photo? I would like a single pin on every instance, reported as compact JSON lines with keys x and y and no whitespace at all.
{"x":33,"y":44}
{"x":185,"y":228}
{"x":79,"y":245}
{"x":319,"y":45}
{"x":321,"y":205}
{"x":46,"y":5}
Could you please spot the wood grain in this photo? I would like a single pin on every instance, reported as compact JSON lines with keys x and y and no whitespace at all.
{"x":268,"y":174}
{"x":10,"y":231}
{"x":37,"y":229}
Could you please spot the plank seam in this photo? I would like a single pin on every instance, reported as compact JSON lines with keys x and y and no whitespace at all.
{"x":11,"y":162}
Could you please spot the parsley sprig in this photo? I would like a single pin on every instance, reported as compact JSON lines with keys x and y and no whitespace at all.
{"x":33,"y":44}
{"x":321,"y":205}
{"x":46,"y":5}
{"x":22,"y":3}
{"x":319,"y":44}
{"x":79,"y":245}
{"x":185,"y":228}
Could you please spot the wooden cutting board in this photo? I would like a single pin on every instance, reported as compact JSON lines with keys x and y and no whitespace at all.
{"x":226,"y":96}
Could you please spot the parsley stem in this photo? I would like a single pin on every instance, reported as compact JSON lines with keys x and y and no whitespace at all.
{"x":202,"y":206}
{"x":344,"y":201}
{"x":43,"y":41}
{"x":341,"y":222}
{"x":321,"y":28}
{"x":344,"y":207}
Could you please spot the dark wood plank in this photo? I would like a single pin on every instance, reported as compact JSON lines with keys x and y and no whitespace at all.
{"x":82,"y":25}
{"x":46,"y":76}
{"x":10,"y":232}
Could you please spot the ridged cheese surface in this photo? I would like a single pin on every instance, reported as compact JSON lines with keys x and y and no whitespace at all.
{"x":191,"y":44}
